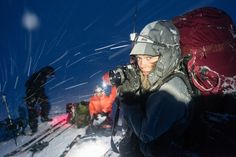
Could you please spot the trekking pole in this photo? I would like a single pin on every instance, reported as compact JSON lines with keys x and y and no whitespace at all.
{"x":4,"y":100}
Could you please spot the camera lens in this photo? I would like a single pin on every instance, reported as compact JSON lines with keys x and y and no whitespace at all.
{"x":115,"y":77}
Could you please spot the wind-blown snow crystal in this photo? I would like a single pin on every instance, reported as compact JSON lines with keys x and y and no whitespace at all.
{"x":77,"y":85}
{"x":58,"y":59}
{"x":30,"y":21}
{"x":95,"y":73}
{"x":61,"y":83}
{"x":16,"y":82}
{"x":118,"y":47}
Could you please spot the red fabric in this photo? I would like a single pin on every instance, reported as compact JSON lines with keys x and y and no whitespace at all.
{"x":103,"y":103}
{"x":210,"y":36}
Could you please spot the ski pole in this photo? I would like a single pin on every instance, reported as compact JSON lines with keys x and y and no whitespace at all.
{"x":9,"y":115}
{"x":8,"y":111}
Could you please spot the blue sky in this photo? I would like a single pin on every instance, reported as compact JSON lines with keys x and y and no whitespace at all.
{"x":80,"y":39}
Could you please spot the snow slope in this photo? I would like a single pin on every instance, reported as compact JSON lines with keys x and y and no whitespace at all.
{"x":59,"y":140}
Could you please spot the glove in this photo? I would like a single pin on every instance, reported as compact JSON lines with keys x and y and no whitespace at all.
{"x":104,"y":114}
{"x":100,"y":119}
{"x":129,"y":90}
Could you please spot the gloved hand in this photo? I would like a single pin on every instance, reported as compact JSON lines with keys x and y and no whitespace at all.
{"x":104,"y":114}
{"x":129,"y":89}
{"x":99,"y":120}
{"x":126,"y":79}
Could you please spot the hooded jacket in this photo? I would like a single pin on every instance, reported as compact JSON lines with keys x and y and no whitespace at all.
{"x":103,"y":103}
{"x":162,"y":109}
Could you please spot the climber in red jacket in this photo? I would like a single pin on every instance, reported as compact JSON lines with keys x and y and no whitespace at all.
{"x":100,"y":104}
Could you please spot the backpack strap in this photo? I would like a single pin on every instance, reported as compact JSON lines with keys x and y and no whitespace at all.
{"x":186,"y":76}
{"x":114,"y":125}
{"x":183,"y":74}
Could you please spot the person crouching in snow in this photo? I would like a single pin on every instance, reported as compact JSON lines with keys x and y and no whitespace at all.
{"x":100,"y":107}
{"x":78,"y":114}
{"x":70,"y":110}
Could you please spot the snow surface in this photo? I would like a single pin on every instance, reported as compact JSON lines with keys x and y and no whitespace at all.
{"x":81,"y":39}
{"x":89,"y":148}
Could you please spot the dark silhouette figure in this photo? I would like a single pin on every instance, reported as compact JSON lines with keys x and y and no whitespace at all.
{"x":35,"y":94}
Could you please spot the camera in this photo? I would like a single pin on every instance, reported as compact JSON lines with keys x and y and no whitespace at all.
{"x":119,"y":75}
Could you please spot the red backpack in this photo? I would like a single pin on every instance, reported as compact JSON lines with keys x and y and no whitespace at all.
{"x":209,"y":36}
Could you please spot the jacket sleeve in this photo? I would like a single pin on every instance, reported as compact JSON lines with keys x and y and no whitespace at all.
{"x":158,"y":115}
{"x":113,"y":94}
{"x":91,"y":107}
{"x":109,"y":101}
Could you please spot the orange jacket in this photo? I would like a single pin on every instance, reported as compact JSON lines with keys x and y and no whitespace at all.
{"x":103,"y":103}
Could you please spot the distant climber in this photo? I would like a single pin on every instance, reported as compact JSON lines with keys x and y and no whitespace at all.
{"x":35,"y":94}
